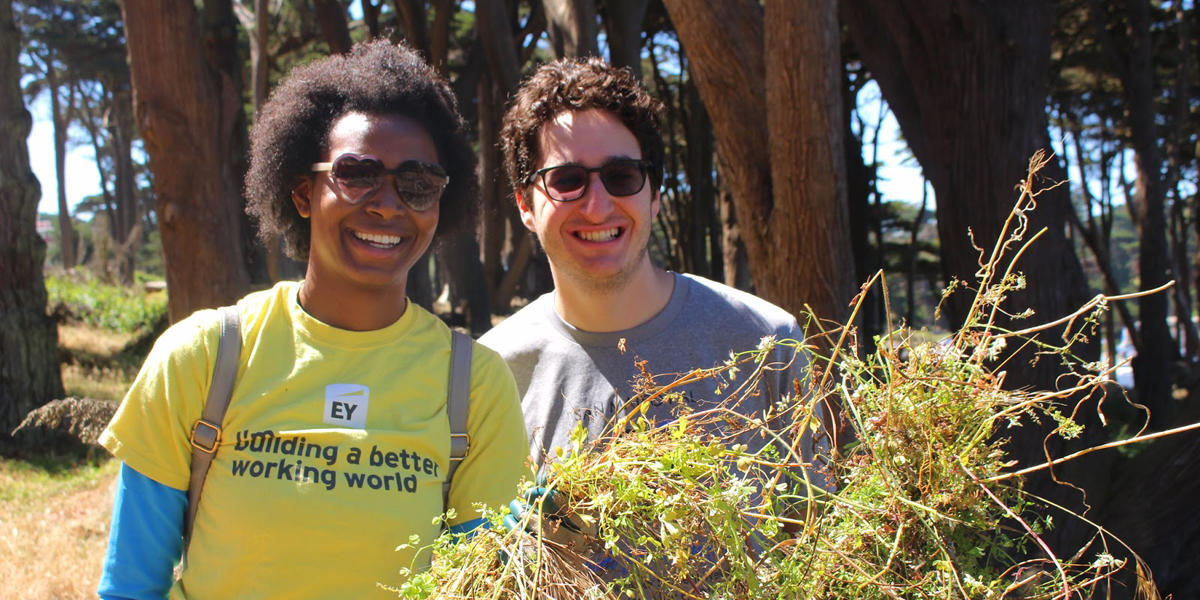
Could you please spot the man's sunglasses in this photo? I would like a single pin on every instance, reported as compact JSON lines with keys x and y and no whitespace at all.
{"x":359,"y":176}
{"x":620,"y":176}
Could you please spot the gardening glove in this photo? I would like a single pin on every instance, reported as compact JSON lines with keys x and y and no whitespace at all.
{"x":556,"y":525}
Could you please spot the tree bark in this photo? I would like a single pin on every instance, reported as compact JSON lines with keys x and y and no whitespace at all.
{"x":188,"y":110}
{"x":334,"y":28}
{"x":706,"y":235}
{"x":29,"y":375}
{"x":496,"y":36}
{"x":808,"y":229}
{"x":623,"y":24}
{"x":439,"y":35}
{"x":967,"y":83}
{"x":500,"y":48}
{"x":416,"y":30}
{"x":572,"y":27}
{"x":60,"y":117}
{"x":127,"y":232}
{"x":1151,"y":366}
{"x":789,"y":194}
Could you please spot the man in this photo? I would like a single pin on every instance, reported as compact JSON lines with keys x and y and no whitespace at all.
{"x":583,"y":148}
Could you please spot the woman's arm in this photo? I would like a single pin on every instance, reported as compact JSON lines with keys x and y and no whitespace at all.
{"x":146,"y":539}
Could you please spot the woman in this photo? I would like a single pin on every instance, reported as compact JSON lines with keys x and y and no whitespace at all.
{"x":336,"y":439}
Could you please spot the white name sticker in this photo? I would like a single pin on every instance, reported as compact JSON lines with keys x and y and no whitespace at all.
{"x":346,"y":404}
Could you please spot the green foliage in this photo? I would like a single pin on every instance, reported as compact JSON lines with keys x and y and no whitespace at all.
{"x":103,"y":305}
{"x":46,"y":475}
{"x":923,"y":504}
{"x":922,"y":507}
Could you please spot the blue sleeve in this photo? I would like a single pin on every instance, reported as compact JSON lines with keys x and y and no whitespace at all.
{"x":146,"y":539}
{"x":467,"y":528}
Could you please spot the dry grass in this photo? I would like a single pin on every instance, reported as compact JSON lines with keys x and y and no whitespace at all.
{"x":94,"y":381}
{"x":99,"y":383}
{"x":54,"y":512}
{"x":94,"y":340}
{"x":54,"y":521}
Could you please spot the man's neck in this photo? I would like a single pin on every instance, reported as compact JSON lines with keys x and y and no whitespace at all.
{"x":617,"y":308}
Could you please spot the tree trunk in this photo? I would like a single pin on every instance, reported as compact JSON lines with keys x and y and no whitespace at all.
{"x":808,"y":217}
{"x":496,"y":37}
{"x":734,"y":271}
{"x":416,"y":31}
{"x":59,"y":116}
{"x":127,"y":233}
{"x":706,"y":236}
{"x":458,"y":258}
{"x":189,"y":110}
{"x":789,"y":193}
{"x":259,"y":60}
{"x":1151,"y":368}
{"x":29,"y":375}
{"x":967,"y":83}
{"x":439,"y":35}
{"x":500,"y":46}
{"x":623,"y":24}
{"x":255,"y":22}
{"x":572,"y":27}
{"x":334,"y":29}
{"x":493,"y":194}
{"x":370,"y":11}
{"x":859,"y":179}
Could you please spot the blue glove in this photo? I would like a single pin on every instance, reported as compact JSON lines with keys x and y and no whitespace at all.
{"x":538,"y":497}
{"x":546,"y":501}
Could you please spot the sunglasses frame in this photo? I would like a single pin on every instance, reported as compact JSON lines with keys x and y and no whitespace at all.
{"x":642,"y":164}
{"x":408,"y":166}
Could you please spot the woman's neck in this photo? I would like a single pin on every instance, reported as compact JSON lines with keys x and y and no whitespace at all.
{"x":354,"y":310}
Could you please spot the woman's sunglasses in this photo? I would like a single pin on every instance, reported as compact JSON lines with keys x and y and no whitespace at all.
{"x":359,"y":176}
{"x":620,"y":176}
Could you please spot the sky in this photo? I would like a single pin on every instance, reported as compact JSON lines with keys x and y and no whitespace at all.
{"x":82,"y":178}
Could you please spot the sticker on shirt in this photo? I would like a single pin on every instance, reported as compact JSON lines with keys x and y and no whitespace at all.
{"x":346,"y":405}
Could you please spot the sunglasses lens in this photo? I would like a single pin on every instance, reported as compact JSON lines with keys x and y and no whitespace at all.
{"x":420,"y":191}
{"x":623,"y":177}
{"x":566,"y":182}
{"x":357,"y":176}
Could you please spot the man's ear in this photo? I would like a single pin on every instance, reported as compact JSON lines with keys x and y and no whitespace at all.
{"x":655,"y":204}
{"x":526,"y":213}
{"x":301,"y":195}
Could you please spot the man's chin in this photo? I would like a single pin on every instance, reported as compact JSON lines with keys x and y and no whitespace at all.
{"x":601,"y":280}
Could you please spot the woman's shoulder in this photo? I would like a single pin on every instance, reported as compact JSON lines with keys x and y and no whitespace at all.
{"x":198,"y":333}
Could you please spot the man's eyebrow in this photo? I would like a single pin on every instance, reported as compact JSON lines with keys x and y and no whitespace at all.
{"x":607,"y":159}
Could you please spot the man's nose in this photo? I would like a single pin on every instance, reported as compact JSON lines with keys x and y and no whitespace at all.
{"x":596,"y":201}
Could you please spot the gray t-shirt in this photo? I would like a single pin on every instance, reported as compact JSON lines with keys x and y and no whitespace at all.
{"x":566,"y":375}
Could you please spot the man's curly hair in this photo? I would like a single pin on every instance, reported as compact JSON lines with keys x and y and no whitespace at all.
{"x":292,"y":132}
{"x":577,"y":85}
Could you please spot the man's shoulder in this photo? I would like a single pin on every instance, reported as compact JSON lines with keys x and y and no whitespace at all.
{"x":713,"y":297}
{"x":520,"y":330}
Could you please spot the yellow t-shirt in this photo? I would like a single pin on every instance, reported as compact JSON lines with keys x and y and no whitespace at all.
{"x":334,"y":451}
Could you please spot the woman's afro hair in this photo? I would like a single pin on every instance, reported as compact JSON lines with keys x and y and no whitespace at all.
{"x":292,"y":131}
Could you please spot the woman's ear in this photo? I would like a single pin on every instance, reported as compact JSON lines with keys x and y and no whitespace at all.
{"x":301,"y":197}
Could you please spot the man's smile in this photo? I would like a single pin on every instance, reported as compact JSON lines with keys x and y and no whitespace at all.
{"x":600,"y":235}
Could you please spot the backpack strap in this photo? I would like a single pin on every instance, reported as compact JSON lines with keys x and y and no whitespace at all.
{"x":457,"y":406}
{"x":206,"y":432}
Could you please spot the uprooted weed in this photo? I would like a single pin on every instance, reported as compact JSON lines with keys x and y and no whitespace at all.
{"x":924,"y":503}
